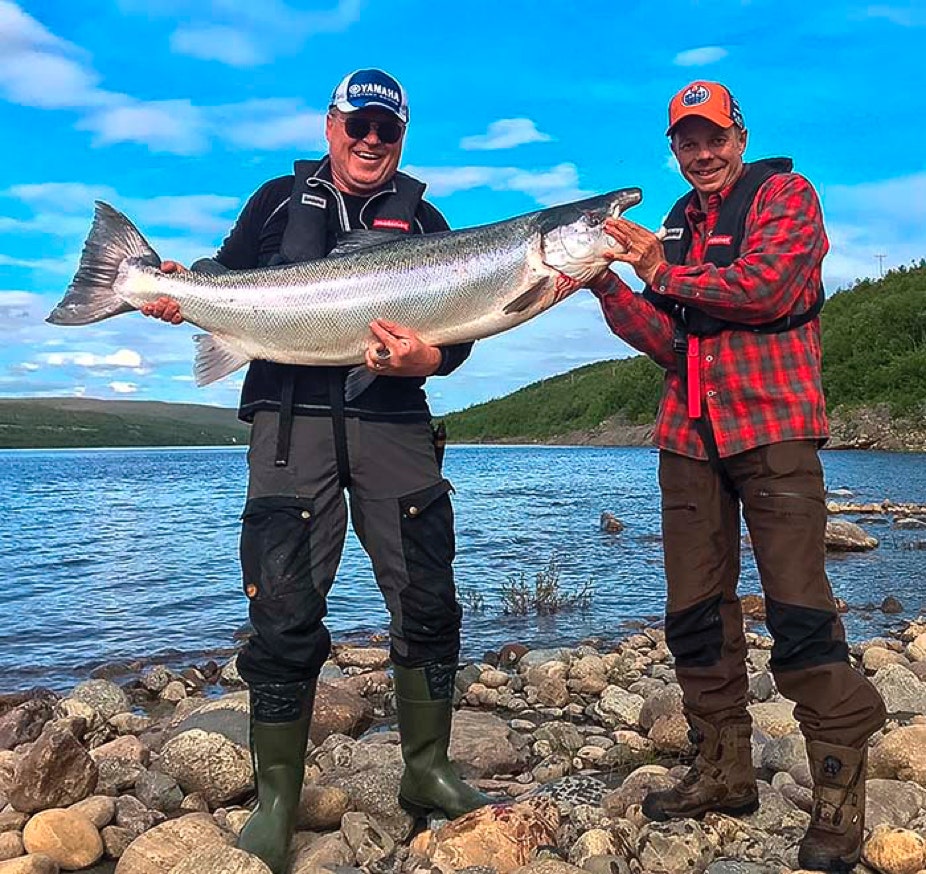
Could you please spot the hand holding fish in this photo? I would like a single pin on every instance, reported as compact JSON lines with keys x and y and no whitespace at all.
{"x":644,"y":250}
{"x":399,"y":351}
{"x":165,"y":308}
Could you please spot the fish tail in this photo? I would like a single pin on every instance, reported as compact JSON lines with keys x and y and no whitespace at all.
{"x":91,"y":296}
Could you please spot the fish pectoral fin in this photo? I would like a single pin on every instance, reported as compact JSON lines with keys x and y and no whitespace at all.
{"x":215,"y":358}
{"x":528,"y":298}
{"x":353,"y":241}
{"x":358,"y":380}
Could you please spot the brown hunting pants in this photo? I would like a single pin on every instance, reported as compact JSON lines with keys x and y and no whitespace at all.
{"x":780,"y":489}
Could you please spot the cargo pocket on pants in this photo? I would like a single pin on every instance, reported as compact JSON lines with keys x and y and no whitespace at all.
{"x":427,"y":529}
{"x":276,"y":555}
{"x":429,"y":624}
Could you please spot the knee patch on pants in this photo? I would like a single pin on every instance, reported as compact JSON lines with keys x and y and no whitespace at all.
{"x":695,"y":635}
{"x":804,"y":636}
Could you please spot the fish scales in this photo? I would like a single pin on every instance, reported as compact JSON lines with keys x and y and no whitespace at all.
{"x":450,"y":287}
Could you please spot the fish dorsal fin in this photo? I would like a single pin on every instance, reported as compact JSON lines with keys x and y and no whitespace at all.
{"x":215,"y":358}
{"x":209,"y":266}
{"x":354,"y":241}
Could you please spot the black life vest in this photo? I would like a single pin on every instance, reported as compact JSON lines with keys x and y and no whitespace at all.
{"x":722,"y":250}
{"x":316,"y":216}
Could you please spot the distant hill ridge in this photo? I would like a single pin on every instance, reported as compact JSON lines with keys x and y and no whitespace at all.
{"x":41,"y":423}
{"x":874,"y":375}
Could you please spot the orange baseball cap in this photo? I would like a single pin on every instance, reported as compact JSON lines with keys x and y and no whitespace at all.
{"x":709,"y":100}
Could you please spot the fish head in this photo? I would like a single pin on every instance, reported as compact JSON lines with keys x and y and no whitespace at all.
{"x":574,"y":241}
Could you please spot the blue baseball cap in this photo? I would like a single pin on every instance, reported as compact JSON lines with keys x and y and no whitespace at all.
{"x":371,"y":87}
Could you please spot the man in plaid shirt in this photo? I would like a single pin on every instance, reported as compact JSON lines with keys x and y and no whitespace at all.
{"x":733,"y":288}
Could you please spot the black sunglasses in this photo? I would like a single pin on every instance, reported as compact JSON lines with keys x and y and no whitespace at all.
{"x":389,"y":132}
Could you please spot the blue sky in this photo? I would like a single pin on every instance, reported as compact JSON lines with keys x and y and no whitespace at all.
{"x":176,"y":115}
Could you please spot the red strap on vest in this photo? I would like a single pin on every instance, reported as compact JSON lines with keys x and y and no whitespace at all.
{"x":694,"y":377}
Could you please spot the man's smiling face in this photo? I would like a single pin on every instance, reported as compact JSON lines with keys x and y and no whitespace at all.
{"x":361,"y":166}
{"x":709,"y":156}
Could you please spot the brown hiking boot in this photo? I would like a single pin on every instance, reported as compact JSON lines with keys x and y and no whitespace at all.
{"x":834,"y":840}
{"x":721,"y":779}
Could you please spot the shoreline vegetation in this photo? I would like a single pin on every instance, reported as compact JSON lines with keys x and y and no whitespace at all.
{"x":874,"y":376}
{"x":146,"y":768}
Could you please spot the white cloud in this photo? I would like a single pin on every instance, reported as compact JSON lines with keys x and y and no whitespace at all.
{"x":67,"y":196}
{"x":557,"y":185}
{"x":124,"y":388}
{"x":64,"y":210}
{"x":875,"y":218}
{"x":39,"y":69}
{"x":127,"y":358}
{"x":194,"y":213}
{"x":913,"y":15}
{"x":506,"y":133}
{"x":560,"y":184}
{"x":52,"y":265}
{"x":344,"y":14}
{"x":700,"y":57}
{"x":901,"y":200}
{"x":269,"y":124}
{"x":243,"y":34}
{"x":216,"y":43}
{"x":33,"y":78}
{"x":18,"y":28}
{"x":174,"y":126}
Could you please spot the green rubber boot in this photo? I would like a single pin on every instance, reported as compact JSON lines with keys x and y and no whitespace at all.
{"x":429,"y":783}
{"x":278,"y":752}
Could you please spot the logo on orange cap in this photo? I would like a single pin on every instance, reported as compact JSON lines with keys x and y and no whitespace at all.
{"x":709,"y":100}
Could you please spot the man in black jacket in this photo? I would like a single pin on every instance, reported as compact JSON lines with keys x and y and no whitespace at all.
{"x":310,"y":442}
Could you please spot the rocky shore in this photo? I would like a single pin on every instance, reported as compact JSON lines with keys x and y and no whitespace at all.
{"x":154,"y":776}
{"x":859,"y":428}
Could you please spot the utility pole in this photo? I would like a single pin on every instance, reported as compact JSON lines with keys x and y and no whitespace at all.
{"x":880,"y":258}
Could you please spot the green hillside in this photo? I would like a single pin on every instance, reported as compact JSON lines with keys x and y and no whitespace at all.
{"x":874,"y":340}
{"x":73,"y":422}
{"x":874,"y":343}
{"x":575,"y":401}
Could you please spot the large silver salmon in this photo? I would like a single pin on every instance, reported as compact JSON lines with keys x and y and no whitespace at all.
{"x":450,"y":287}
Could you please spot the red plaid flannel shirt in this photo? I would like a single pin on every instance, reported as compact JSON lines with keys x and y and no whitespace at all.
{"x":756,"y":388}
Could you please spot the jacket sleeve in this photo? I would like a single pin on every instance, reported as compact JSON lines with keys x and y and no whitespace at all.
{"x":240,"y":250}
{"x":635,"y":320}
{"x":430,"y":221}
{"x":779,"y":262}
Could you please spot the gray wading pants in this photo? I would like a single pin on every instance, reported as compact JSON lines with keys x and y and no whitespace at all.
{"x":780,"y":490}
{"x":293,"y":530}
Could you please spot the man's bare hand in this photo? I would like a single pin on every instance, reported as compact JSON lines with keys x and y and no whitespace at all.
{"x":399,"y":351}
{"x":165,"y":308}
{"x":642,"y":248}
